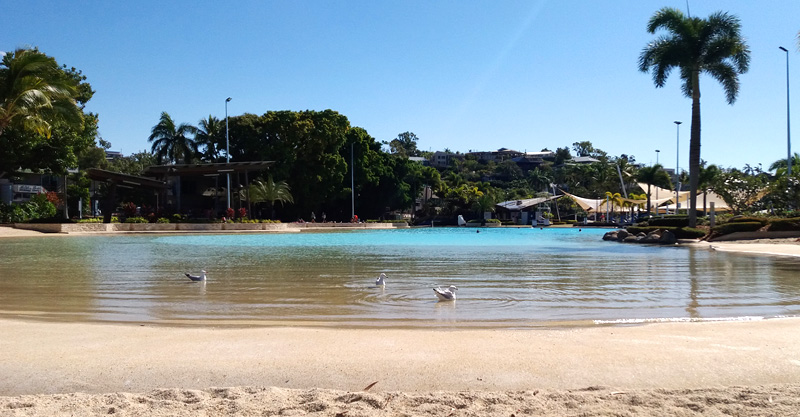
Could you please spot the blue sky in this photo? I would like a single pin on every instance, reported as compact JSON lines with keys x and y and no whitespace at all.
{"x":463,"y":75}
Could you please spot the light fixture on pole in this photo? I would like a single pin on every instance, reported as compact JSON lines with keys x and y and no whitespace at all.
{"x":657,"y":152}
{"x":788,"y":131}
{"x":227,"y":150}
{"x":677,"y":165}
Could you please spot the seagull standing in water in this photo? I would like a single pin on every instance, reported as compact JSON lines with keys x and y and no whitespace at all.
{"x":201,"y":277}
{"x":447,"y":294}
{"x":381,"y":281}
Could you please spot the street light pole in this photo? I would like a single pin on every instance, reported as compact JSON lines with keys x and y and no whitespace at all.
{"x":227,"y":150}
{"x":677,"y":165}
{"x":788,"y":131}
{"x":657,"y":152}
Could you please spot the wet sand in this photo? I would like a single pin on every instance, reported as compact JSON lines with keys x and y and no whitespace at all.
{"x":718,"y":368}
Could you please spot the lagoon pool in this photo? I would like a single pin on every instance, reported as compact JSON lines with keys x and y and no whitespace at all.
{"x":518,"y":278}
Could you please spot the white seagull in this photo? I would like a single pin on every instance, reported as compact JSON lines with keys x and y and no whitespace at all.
{"x":447,"y":294}
{"x":201,"y":277}
{"x":381,"y":281}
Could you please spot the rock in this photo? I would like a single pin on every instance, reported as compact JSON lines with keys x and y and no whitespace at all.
{"x":632,"y":239}
{"x":667,"y":238}
{"x":610,"y":235}
{"x":622,"y":234}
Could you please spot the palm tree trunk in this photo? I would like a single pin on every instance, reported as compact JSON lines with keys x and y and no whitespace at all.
{"x":648,"y":198}
{"x":694,"y":149}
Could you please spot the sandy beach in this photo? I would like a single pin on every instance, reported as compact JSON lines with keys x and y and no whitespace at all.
{"x":708,"y":368}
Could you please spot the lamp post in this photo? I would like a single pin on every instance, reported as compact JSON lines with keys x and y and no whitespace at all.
{"x":227,"y":151}
{"x":677,"y":165}
{"x":788,"y":131}
{"x":657,"y":152}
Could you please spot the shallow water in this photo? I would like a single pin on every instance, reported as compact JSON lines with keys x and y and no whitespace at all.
{"x":506,"y":278}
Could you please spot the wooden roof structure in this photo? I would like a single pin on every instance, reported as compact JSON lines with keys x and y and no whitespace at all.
{"x":208,"y":168}
{"x":125,"y":179}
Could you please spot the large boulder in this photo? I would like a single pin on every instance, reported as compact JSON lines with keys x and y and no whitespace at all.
{"x":632,"y":239}
{"x":667,"y":238}
{"x":610,"y":235}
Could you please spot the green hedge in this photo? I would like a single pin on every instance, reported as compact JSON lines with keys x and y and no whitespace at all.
{"x":732,"y":227}
{"x":785,"y":225}
{"x":760,"y":220}
{"x":670,"y":221}
{"x":680,"y":232}
{"x":136,"y":220}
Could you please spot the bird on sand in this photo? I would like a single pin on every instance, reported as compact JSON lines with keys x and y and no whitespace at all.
{"x":201,"y":277}
{"x":447,"y":294}
{"x":381,"y":281}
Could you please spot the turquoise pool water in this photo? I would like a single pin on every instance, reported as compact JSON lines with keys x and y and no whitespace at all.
{"x":506,"y":278}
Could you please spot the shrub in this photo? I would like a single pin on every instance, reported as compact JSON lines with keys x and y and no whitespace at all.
{"x":129,"y":210}
{"x":136,"y":220}
{"x":785,"y":225}
{"x":680,"y":232}
{"x":91,"y":220}
{"x":673,"y":221}
{"x":493,"y":221}
{"x":732,"y":227}
{"x":744,"y":219}
{"x":162,"y":220}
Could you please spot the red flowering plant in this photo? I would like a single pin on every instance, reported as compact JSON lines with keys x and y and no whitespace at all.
{"x":229,"y":213}
{"x":54,"y":198}
{"x":129,"y":209}
{"x":242,"y":213}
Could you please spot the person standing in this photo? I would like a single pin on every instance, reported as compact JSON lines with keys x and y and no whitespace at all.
{"x":313,"y":217}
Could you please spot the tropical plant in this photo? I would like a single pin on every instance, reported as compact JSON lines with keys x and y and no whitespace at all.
{"x":33,"y":94}
{"x":742,"y":190}
{"x":706,"y":178}
{"x":693,"y":45}
{"x":781,"y":165}
{"x":209,"y":135}
{"x":269,"y":191}
{"x":652,"y":175}
{"x":173,"y":143}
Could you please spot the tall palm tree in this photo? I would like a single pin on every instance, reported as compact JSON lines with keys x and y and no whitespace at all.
{"x":693,"y":45}
{"x":652,"y":175}
{"x":33,"y":95}
{"x":269,"y":191}
{"x":173,"y":143}
{"x":209,"y":135}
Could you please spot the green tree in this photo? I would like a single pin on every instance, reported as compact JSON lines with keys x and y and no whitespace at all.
{"x":742,"y":190}
{"x":693,"y":45}
{"x":405,"y":145}
{"x":173,"y":143}
{"x":781,"y":165}
{"x":653,"y":175}
{"x":39,"y":126}
{"x":211,"y":136}
{"x":705,"y":180}
{"x":34,"y":93}
{"x":269,"y":191}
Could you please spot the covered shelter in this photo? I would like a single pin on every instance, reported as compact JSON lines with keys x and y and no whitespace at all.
{"x":187,"y":177}
{"x":520,"y":210}
{"x":117,"y":179}
{"x":683,"y":200}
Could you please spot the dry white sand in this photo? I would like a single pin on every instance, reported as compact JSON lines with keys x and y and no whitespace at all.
{"x":689,"y":366}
